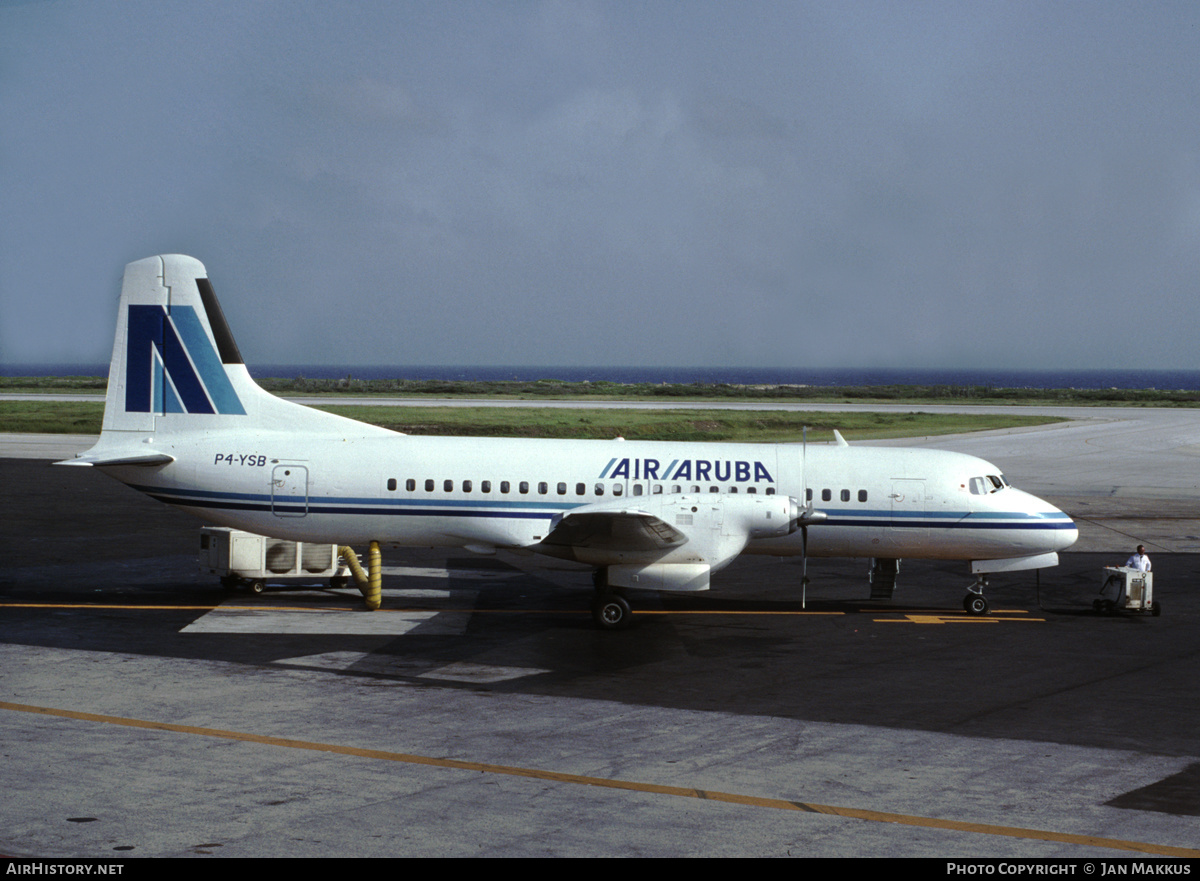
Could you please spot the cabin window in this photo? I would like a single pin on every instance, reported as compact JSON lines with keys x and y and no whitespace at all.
{"x":504,"y":486}
{"x":599,"y":489}
{"x":562,"y":489}
{"x":862,"y":495}
{"x":771,"y":492}
{"x":580,"y":489}
{"x":485,"y":486}
{"x":657,"y":489}
{"x":543,"y":488}
{"x":752,"y":490}
{"x":410,"y":485}
{"x":714,"y":489}
{"x":845,"y":495}
{"x":428,"y":486}
{"x":467,"y":486}
{"x":826,"y":495}
{"x":676,"y":488}
{"x":733,"y":490}
{"x":808,"y":495}
{"x":391,"y":484}
{"x":618,"y":489}
{"x":524,"y":487}
{"x":448,"y":486}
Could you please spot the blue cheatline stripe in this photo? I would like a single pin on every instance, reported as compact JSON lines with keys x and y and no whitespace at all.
{"x":182,"y":496}
{"x":299,"y":507}
{"x":941,"y":524}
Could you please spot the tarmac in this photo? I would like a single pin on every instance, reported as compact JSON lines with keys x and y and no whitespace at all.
{"x":146,"y":711}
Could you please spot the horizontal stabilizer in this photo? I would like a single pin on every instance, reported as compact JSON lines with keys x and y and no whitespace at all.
{"x":102,"y":461}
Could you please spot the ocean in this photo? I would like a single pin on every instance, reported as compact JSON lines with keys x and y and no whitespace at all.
{"x":994,"y":378}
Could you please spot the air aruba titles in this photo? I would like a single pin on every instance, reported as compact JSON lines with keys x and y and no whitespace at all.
{"x":687,"y":469}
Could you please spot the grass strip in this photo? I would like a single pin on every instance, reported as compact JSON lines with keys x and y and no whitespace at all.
{"x":70,"y":417}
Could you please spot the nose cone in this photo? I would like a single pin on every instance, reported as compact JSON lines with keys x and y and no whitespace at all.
{"x":1055,"y":530}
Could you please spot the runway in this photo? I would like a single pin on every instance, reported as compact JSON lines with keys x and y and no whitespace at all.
{"x":147,"y":712}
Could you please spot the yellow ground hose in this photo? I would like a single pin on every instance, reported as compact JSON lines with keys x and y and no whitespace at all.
{"x":371,"y":586}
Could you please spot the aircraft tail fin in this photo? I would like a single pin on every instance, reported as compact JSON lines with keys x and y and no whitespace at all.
{"x":176,"y":370}
{"x":174,"y":354}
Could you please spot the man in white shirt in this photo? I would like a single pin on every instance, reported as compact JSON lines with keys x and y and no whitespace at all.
{"x":1139,"y":560}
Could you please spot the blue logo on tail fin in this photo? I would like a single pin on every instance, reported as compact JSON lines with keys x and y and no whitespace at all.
{"x":172,"y":367}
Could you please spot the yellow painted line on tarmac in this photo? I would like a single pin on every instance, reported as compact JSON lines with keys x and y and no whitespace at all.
{"x":953,"y":619}
{"x":905,"y":616}
{"x":626,"y":785}
{"x":950,"y":611}
{"x":234,"y":607}
{"x":640,"y":612}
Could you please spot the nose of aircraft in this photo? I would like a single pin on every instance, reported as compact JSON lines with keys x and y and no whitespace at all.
{"x":1057,"y":530}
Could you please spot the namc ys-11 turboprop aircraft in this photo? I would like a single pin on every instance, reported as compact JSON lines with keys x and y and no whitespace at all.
{"x":185,"y":424}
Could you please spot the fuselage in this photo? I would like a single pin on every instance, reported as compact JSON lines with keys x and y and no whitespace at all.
{"x":488,"y":493}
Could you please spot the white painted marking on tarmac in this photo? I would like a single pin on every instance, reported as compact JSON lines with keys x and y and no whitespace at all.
{"x":366,"y":662}
{"x":480,"y":673}
{"x":328,"y":660}
{"x":294,"y":612}
{"x":457,"y":574}
{"x":384,"y":622}
{"x":409,"y":593}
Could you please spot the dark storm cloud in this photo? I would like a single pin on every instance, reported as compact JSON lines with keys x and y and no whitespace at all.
{"x":1009,"y":184}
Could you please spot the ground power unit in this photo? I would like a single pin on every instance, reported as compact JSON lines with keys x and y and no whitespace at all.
{"x":249,"y":560}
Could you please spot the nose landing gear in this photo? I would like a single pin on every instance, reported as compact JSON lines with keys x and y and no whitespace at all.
{"x":974,"y":603}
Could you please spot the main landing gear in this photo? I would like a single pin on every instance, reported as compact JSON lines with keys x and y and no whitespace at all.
{"x":974,"y":603}
{"x":610,"y":609}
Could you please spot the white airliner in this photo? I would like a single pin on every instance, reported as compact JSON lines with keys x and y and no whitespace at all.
{"x":185,"y":424}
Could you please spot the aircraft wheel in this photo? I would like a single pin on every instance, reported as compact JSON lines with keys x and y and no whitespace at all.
{"x":976,"y":605}
{"x":611,"y":611}
{"x":257,"y":587}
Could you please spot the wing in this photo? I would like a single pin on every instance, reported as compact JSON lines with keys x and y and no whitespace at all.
{"x":626,"y":530}
{"x":668,"y":542}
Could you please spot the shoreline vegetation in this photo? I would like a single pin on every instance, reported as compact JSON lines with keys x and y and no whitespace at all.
{"x":554,"y":389}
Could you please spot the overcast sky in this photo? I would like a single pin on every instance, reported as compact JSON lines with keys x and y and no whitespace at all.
{"x":853,"y":183}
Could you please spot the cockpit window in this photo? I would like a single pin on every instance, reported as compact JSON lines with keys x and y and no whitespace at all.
{"x":981,"y":486}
